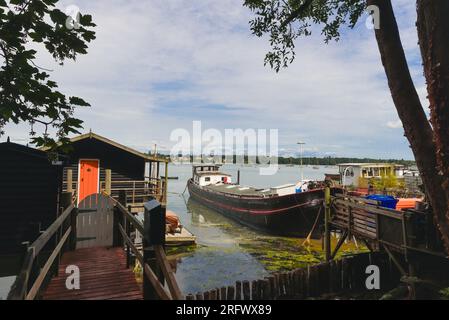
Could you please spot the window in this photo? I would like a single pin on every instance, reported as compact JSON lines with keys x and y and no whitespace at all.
{"x":207,"y":179}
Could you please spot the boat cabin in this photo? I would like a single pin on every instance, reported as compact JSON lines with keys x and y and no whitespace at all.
{"x":359,"y":174}
{"x":99,"y":165}
{"x":204,"y":175}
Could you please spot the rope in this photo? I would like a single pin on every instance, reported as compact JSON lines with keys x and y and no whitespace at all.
{"x":313,"y":228}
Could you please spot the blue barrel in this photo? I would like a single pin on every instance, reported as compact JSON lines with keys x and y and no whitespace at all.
{"x":385,"y":201}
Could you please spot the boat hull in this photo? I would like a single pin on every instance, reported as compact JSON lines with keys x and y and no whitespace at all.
{"x":292,"y":215}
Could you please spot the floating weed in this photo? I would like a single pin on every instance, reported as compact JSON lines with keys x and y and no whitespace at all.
{"x":285,"y":254}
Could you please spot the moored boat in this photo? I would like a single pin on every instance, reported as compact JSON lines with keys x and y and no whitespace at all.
{"x":282,"y":210}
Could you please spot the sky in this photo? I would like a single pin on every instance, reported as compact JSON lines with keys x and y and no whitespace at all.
{"x":159,"y":65}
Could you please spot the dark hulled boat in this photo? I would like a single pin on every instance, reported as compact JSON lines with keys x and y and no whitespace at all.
{"x":280,"y":210}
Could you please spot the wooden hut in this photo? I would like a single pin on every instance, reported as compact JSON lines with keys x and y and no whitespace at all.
{"x":99,"y":165}
{"x":30,"y":185}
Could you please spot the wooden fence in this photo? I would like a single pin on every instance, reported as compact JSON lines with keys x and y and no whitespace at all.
{"x":336,"y":276}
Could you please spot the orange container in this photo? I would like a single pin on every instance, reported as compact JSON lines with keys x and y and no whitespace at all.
{"x":407,"y":203}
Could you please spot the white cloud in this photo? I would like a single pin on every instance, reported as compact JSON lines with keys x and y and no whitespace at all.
{"x":394,"y":124}
{"x":334,"y":96}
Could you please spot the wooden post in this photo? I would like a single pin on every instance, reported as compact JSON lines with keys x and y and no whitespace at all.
{"x":246,"y":290}
{"x":73,"y":238}
{"x":165,"y":185}
{"x":327,"y":217}
{"x":230,"y":293}
{"x":238,"y":290}
{"x":122,"y":197}
{"x":70,"y":181}
{"x":154,"y":234}
{"x":117,"y":239}
{"x":128,"y":234}
{"x":108,"y":182}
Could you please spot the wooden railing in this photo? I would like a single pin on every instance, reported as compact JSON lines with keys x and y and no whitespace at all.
{"x":137,"y":192}
{"x":377,"y":226}
{"x":153,"y":260}
{"x":33,"y":275}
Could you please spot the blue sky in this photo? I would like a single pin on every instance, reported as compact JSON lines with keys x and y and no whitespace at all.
{"x":158,"y":65}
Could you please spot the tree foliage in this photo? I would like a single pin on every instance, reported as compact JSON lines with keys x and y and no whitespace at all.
{"x":27,"y":94}
{"x":285,"y":21}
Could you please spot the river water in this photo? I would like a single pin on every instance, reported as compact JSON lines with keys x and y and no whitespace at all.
{"x":227,"y":251}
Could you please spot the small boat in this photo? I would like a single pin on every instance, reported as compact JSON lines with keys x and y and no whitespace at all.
{"x":282,"y":210}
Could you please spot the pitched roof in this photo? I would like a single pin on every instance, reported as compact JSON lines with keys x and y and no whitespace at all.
{"x":92,"y":135}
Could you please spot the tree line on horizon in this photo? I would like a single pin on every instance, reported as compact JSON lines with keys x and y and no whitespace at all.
{"x":322,"y":161}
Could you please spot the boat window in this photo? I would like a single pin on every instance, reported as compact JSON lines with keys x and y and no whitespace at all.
{"x":207,"y":179}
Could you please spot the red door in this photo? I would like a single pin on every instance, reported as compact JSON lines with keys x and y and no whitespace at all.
{"x":88,"y":177}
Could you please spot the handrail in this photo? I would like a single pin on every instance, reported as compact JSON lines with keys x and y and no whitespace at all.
{"x":137,"y":224}
{"x":159,"y":254}
{"x":148,"y":272}
{"x":40,"y":243}
{"x":373,"y":209}
{"x":40,"y":279}
{"x":19,"y":288}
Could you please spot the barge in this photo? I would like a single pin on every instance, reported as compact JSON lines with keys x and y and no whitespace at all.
{"x":282,"y":210}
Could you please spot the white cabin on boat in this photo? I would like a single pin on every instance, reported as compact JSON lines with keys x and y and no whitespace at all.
{"x":205,"y":175}
{"x":359,"y":174}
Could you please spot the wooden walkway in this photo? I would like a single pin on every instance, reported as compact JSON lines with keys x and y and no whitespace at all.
{"x":103,"y":276}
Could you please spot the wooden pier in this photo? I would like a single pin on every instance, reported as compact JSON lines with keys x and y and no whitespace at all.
{"x":96,"y":238}
{"x":104,"y":276}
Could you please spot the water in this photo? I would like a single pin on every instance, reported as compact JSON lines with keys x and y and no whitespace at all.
{"x":227,"y":251}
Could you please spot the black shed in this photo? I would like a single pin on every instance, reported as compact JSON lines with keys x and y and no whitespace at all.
{"x":99,"y":165}
{"x":30,"y":185}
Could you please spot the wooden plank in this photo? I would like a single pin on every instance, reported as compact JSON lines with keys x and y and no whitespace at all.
{"x":246,"y":290}
{"x":223,"y":293}
{"x":230,"y":293}
{"x":238,"y":290}
{"x":376,"y":210}
{"x":103,"y":276}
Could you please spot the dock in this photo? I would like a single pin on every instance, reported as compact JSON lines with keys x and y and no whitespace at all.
{"x":104,"y":277}
{"x":96,"y":238}
{"x":185,"y":238}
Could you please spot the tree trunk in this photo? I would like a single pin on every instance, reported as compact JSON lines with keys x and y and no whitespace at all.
{"x":416,"y":125}
{"x":433,"y":32}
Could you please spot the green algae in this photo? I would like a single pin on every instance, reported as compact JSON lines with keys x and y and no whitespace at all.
{"x":180,"y":250}
{"x":285,"y":254}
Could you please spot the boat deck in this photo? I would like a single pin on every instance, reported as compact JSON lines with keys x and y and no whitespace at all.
{"x":241,"y":190}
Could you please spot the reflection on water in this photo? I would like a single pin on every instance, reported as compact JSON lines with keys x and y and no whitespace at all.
{"x":228,"y":251}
